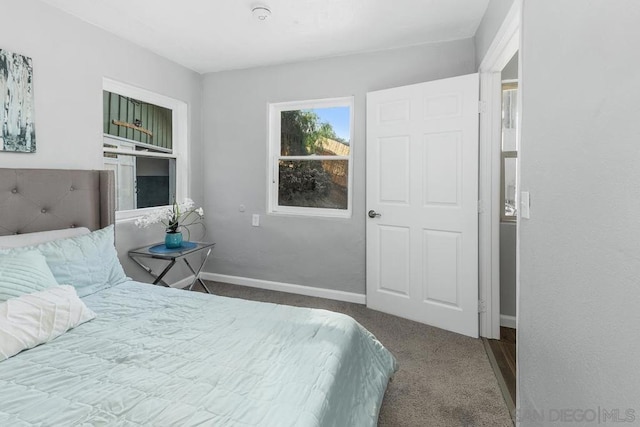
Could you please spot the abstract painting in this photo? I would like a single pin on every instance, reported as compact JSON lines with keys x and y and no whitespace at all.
{"x":17,"y":126}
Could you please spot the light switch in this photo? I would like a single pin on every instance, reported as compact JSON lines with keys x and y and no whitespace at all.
{"x":255,"y":220}
{"x":525,"y":205}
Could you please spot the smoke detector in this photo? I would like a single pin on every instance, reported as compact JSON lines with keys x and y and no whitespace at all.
{"x":261,"y":13}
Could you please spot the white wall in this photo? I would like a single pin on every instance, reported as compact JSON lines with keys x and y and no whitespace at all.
{"x":325,"y":253}
{"x":491,"y":21}
{"x":70,"y":59}
{"x":579,"y":312}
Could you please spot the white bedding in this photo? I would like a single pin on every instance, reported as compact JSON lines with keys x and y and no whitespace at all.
{"x":158,"y":356}
{"x":39,"y":317}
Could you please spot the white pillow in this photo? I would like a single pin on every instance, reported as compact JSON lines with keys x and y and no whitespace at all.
{"x":32,"y":239}
{"x":37,"y":318}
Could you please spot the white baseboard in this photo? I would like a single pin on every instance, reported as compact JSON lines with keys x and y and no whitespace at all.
{"x":287,"y":287}
{"x":507,"y":321}
{"x":183,"y":283}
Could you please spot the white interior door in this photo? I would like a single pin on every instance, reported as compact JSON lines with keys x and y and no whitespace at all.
{"x":422,"y":180}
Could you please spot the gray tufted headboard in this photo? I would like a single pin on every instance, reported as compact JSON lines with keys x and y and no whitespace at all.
{"x":50,"y":199}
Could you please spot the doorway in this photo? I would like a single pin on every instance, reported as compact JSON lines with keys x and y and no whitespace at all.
{"x":495,"y":314}
{"x":502,"y":349}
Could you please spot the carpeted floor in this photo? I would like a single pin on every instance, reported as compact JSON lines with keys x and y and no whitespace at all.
{"x":444,"y":379}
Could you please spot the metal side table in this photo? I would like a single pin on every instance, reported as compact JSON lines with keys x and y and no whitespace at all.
{"x":160,"y":251}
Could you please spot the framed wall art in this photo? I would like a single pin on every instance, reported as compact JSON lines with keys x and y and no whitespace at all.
{"x":17,"y":125}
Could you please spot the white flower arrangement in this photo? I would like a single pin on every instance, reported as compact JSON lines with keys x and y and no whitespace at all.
{"x":175,"y":217}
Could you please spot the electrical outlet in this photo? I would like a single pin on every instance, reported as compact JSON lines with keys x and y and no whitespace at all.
{"x":255,"y":220}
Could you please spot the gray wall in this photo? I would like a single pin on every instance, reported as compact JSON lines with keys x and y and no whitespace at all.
{"x":325,"y":253}
{"x":510,"y":71}
{"x":508,"y":268}
{"x":147,"y":166}
{"x":491,"y":21}
{"x":508,"y":234}
{"x":579,"y":312}
{"x":70,"y":58}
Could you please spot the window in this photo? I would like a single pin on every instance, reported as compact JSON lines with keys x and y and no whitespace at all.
{"x":310,"y":157}
{"x":508,"y":187}
{"x":144,"y":143}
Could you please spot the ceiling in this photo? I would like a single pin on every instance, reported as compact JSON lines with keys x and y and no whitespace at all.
{"x":215,"y":35}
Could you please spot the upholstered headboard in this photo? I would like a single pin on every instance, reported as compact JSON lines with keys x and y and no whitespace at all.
{"x":49,"y":199}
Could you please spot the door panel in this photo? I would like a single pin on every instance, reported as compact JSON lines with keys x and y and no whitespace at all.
{"x":394,"y":170}
{"x":422,"y":178}
{"x":441,"y":262}
{"x":394,"y":260}
{"x":442,"y":168}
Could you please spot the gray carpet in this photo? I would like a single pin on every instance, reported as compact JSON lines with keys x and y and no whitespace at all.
{"x":444,"y":379}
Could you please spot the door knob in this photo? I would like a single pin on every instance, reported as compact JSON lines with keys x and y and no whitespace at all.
{"x":373,"y":214}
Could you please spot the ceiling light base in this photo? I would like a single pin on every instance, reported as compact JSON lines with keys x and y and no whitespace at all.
{"x":261,"y":13}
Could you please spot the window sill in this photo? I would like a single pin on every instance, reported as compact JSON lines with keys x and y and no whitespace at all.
{"x":133,"y":214}
{"x":311,"y":213}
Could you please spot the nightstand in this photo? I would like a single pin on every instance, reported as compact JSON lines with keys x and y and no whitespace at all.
{"x":161,"y":252}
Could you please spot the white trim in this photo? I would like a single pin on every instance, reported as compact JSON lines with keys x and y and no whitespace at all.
{"x":313,"y":103}
{"x":507,"y":39}
{"x":314,"y":212}
{"x":286,"y":287}
{"x":139,"y":153}
{"x":180,"y":125}
{"x":505,"y":44}
{"x":273,"y":156}
{"x":508,"y":321}
{"x":136,"y":143}
{"x":519,"y":213}
{"x":314,"y":157}
{"x":489,"y":218}
{"x":133,"y":214}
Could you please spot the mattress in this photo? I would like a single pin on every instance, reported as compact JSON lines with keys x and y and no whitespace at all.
{"x":160,"y":356}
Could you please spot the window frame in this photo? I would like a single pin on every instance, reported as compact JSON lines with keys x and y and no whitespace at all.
{"x":274,"y":111}
{"x":179,"y":136}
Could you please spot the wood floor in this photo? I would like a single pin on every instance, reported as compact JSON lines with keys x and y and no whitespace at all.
{"x":503,"y":353}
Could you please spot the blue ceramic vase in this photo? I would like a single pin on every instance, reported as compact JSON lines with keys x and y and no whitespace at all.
{"x":173,"y":240}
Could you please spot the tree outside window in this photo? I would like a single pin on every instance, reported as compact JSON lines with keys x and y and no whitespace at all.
{"x":311,"y":157}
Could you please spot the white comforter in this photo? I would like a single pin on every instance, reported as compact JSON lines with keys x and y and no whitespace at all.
{"x":157,"y":356}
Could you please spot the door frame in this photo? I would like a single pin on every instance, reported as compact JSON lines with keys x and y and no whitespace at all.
{"x":506,"y":43}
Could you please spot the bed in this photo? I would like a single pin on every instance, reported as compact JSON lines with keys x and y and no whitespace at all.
{"x":162,"y":356}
